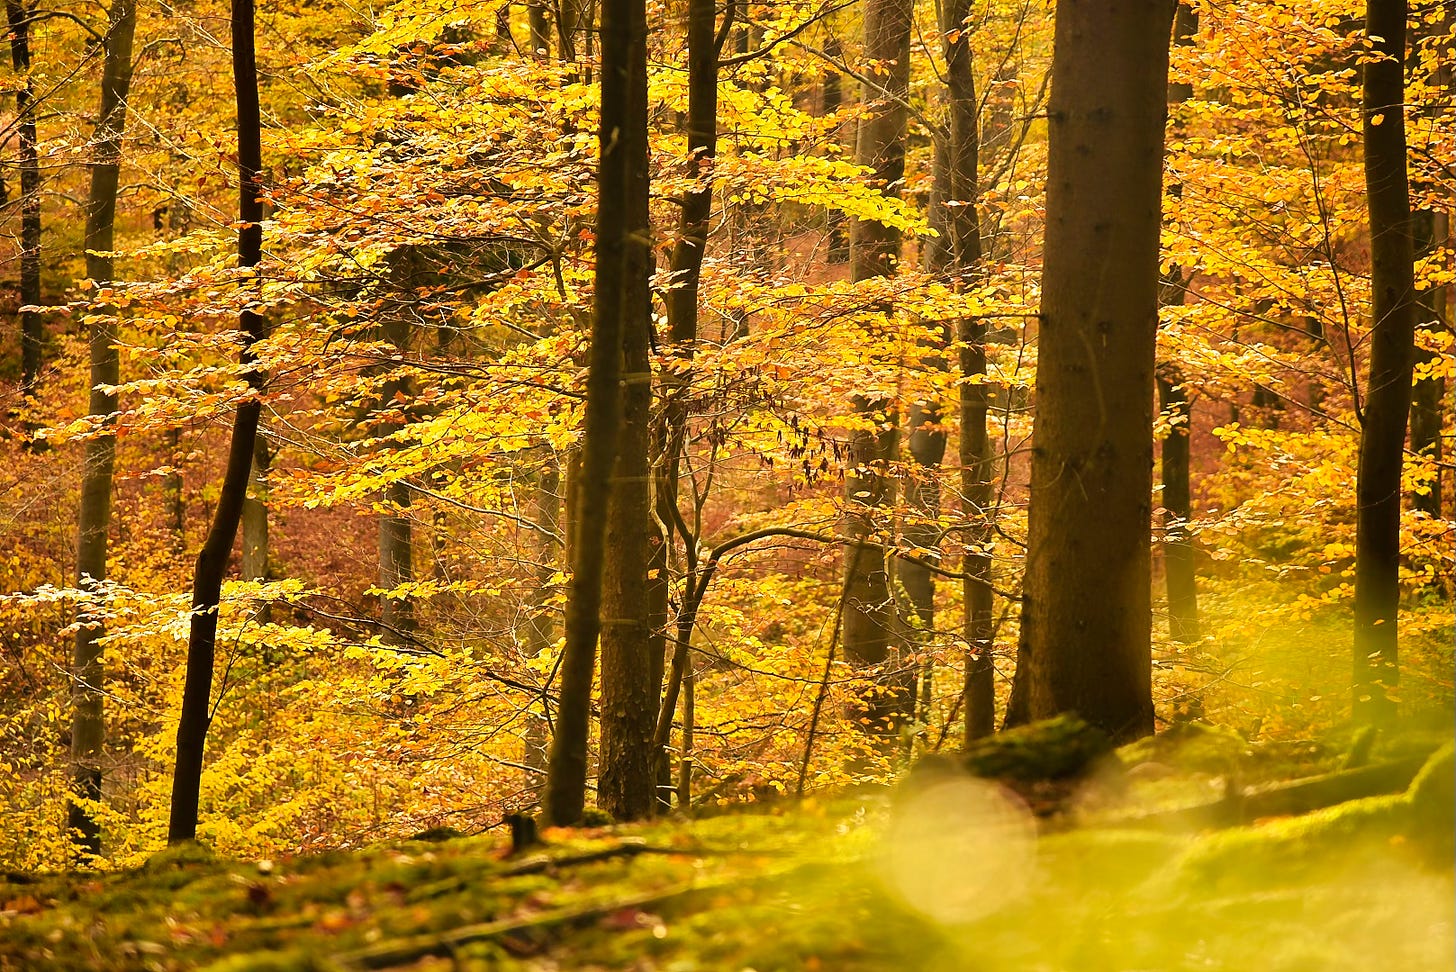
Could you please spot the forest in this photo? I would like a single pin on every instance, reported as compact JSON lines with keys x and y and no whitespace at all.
{"x":556,"y":484}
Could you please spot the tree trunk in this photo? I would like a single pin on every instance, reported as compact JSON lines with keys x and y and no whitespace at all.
{"x":212,"y":559}
{"x":32,"y":329}
{"x":1388,"y":396}
{"x":538,"y":15}
{"x":832,"y":101}
{"x":626,"y":783}
{"x":1431,"y":231}
{"x":255,"y":514}
{"x":396,"y":564}
{"x":89,"y":728}
{"x":1179,"y":555}
{"x":1087,"y":610}
{"x":622,"y":264}
{"x":682,"y":316}
{"x":977,"y":500}
{"x":539,"y":629}
{"x":869,"y":615}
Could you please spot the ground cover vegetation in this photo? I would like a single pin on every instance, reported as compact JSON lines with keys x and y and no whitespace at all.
{"x":452,"y":416}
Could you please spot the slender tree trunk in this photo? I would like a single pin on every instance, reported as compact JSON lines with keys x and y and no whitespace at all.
{"x":1388,"y":395}
{"x":869,"y":618}
{"x":538,"y":14}
{"x":626,"y":783}
{"x":396,"y":564}
{"x":88,"y":730}
{"x":1427,"y":415}
{"x":977,"y":497}
{"x":682,"y":311}
{"x":832,"y":101}
{"x":539,"y":633}
{"x":212,"y":559}
{"x":1087,"y":610}
{"x":1179,"y":555}
{"x":622,"y":262}
{"x":32,"y":329}
{"x":255,"y":514}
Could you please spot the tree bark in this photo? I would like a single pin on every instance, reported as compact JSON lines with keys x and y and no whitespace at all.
{"x":213,"y":558}
{"x":32,"y":329}
{"x":1392,"y":339}
{"x":622,"y":263}
{"x":88,"y":730}
{"x":682,"y":319}
{"x":631,"y":678}
{"x":1087,"y":610}
{"x":974,"y":448}
{"x":539,"y":630}
{"x":869,"y":617}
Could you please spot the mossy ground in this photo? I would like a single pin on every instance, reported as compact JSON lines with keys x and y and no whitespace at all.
{"x":1366,"y":883}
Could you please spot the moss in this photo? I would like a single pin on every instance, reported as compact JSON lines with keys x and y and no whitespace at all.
{"x":1190,"y":746}
{"x":1052,"y":749}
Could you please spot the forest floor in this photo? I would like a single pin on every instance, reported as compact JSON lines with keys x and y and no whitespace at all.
{"x":946,"y":875}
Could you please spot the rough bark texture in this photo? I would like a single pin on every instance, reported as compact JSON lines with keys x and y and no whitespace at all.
{"x":32,"y":329}
{"x":1388,"y":394}
{"x":869,"y":616}
{"x":621,"y":248}
{"x":1086,"y":618}
{"x":212,"y":559}
{"x":1179,"y":555}
{"x":626,"y":783}
{"x":88,"y":730}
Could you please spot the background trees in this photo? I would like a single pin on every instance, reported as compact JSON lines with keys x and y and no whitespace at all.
{"x":420,"y":138}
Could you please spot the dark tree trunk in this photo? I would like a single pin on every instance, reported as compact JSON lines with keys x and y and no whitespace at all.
{"x":88,"y":730}
{"x":213,"y":558}
{"x":977,"y":501}
{"x":631,"y":675}
{"x":1179,"y":555}
{"x":869,"y":613}
{"x":1388,"y":395}
{"x":622,"y":264}
{"x":1087,"y":611}
{"x":32,"y":329}
{"x":682,"y":318}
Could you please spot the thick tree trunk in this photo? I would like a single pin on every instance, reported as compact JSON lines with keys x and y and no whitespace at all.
{"x":1087,"y":611}
{"x":88,"y":730}
{"x":621,"y":292}
{"x":1388,"y":396}
{"x":869,"y":614}
{"x":626,"y":783}
{"x":32,"y":329}
{"x":212,"y":559}
{"x":1179,"y":555}
{"x":1427,"y":415}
